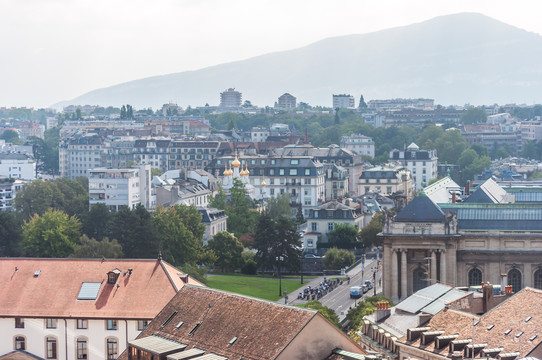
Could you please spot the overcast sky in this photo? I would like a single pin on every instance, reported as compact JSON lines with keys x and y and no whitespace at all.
{"x":54,"y":50}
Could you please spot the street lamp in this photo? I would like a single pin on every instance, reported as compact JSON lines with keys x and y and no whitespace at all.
{"x":375,"y":269}
{"x":279,"y":260}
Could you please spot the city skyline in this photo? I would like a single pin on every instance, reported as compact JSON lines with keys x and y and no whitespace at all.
{"x":58,"y":50}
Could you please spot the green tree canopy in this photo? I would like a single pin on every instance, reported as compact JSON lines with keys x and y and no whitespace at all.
{"x":227,"y":250}
{"x":279,"y":206}
{"x":53,"y":234}
{"x":336,"y":259}
{"x":327,"y":312}
{"x":368,"y":234}
{"x":343,"y":236}
{"x":134,"y":231}
{"x":474,"y":115}
{"x":10,"y":136}
{"x":92,"y":248}
{"x":355,"y":315}
{"x":10,"y":234}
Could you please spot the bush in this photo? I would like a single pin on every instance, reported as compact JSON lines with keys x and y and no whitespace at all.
{"x":250,"y":267}
{"x":336,"y":259}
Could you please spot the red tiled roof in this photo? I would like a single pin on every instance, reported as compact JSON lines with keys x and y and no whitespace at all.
{"x":53,"y":293}
{"x":509,"y":315}
{"x":263,"y":329}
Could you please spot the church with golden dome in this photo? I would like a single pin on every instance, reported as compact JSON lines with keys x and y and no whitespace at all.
{"x":234,"y":170}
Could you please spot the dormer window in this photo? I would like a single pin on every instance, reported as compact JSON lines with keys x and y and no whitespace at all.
{"x":112,"y":276}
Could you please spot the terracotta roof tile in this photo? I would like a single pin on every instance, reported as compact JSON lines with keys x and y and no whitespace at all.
{"x":509,"y":315}
{"x":262,"y":328}
{"x":53,"y":293}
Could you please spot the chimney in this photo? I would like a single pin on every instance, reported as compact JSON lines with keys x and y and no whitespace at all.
{"x":382,"y":310}
{"x":487,"y":295}
{"x":467,"y":188}
{"x":503,"y":283}
{"x":453,"y":197}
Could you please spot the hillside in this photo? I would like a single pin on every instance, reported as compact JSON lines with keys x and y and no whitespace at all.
{"x":455,"y":59}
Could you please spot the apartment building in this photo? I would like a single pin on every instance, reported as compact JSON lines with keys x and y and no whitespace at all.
{"x":153,"y":152}
{"x":17,"y":166}
{"x":230,"y":98}
{"x":421,"y":163}
{"x":359,"y":144}
{"x":286,"y":102}
{"x":118,"y":188}
{"x":192,"y":154}
{"x":78,"y":155}
{"x":344,"y":101}
{"x":386,"y":180}
{"x":8,"y":190}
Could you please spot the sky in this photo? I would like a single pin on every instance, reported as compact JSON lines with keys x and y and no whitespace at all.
{"x":55,"y":50}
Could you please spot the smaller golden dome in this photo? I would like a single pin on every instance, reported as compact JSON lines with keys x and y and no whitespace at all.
{"x":225,"y":173}
{"x":247,"y":173}
{"x":230,"y":172}
{"x":263,"y":182}
{"x":236,"y":163}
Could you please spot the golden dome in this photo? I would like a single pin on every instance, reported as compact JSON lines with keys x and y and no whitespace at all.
{"x":247,"y":173}
{"x":230,"y":172}
{"x":263,"y":182}
{"x":225,"y":173}
{"x":236,"y":163}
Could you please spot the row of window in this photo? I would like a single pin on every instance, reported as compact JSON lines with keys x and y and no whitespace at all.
{"x":110,"y":324}
{"x":514,"y":278}
{"x":81,"y":347}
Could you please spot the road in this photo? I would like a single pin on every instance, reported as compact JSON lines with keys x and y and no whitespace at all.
{"x":339,"y":299}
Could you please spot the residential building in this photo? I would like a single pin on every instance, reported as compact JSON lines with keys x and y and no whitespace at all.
{"x":286,"y":102}
{"x":215,"y":220}
{"x":463,"y":244}
{"x":421,"y":163}
{"x":230,"y":98}
{"x":202,"y":323}
{"x":153,"y":152}
{"x":391,"y":104}
{"x":18,"y":166}
{"x":28,"y":129}
{"x":81,"y":308}
{"x":332,"y":154}
{"x":343,"y":101}
{"x":192,"y":155}
{"x":78,"y":155}
{"x":259,"y":134}
{"x":531,"y":131}
{"x":8,"y":190}
{"x":494,"y":136}
{"x":336,"y":181}
{"x":386,"y":180}
{"x":359,"y":144}
{"x":118,"y":188}
{"x":325,"y":217}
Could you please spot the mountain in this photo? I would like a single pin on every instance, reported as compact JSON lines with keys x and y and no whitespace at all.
{"x":455,"y":59}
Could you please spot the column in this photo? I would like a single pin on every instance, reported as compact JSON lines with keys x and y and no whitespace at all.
{"x":404,"y":254}
{"x":394,"y":275}
{"x":387,"y":275}
{"x":443,"y":265}
{"x":433,"y":267}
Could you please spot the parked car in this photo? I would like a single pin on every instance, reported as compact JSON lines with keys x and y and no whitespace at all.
{"x":369,"y":284}
{"x":364,"y":288}
{"x":356,"y":292}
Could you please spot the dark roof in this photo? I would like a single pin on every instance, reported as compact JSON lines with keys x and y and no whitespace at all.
{"x":420,"y":209}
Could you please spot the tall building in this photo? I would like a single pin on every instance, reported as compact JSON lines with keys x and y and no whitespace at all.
{"x":286,"y":102}
{"x":358,"y":143}
{"x":230,"y":98}
{"x":421,"y":163}
{"x":343,"y":101}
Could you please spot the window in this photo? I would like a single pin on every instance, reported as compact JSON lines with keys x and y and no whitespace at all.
{"x":82,"y":351}
{"x":307,"y":181}
{"x":50,"y":347}
{"x":330,"y":226}
{"x":475,"y":277}
{"x":112,"y":348}
{"x":50,"y":323}
{"x":514,"y":279}
{"x":271,"y":171}
{"x":20,"y":343}
{"x":111,"y":324}
{"x":307,"y":172}
{"x":281,"y":171}
{"x":538,"y":279}
{"x":142,"y":324}
{"x":19,"y":323}
{"x":309,"y":243}
{"x":314,"y":226}
{"x":294,"y":162}
{"x":419,"y":279}
{"x":272,"y":191}
{"x":293,"y":171}
{"x":82,"y":323}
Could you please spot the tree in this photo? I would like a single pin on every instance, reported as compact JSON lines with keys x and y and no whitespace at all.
{"x":227,"y":250}
{"x":78,"y":114}
{"x":336,"y":259}
{"x":343,"y":236}
{"x":98,"y":222}
{"x":474,"y":115}
{"x":355,"y":315}
{"x":180,"y":231}
{"x":277,"y":243}
{"x":240,"y":219}
{"x":368,"y":234}
{"x":123,"y":112}
{"x":53,"y":234}
{"x":129,"y":112}
{"x":299,"y":218}
{"x":362,"y":104}
{"x":326,"y":312}
{"x":92,"y":248}
{"x":337,"y":118}
{"x":10,"y":235}
{"x":135,"y":233}
{"x":279,"y":206}
{"x":10,"y":136}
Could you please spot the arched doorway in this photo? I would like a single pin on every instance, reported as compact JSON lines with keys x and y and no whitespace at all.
{"x":475,"y":277}
{"x":538,"y":279}
{"x":419,"y":279}
{"x":514,"y":279}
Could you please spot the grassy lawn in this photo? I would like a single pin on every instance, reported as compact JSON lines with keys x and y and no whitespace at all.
{"x":259,"y":287}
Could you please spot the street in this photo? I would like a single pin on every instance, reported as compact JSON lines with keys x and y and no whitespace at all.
{"x":339,"y":299}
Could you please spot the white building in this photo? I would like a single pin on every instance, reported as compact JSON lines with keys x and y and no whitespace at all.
{"x":259,"y":134}
{"x":286,"y":102}
{"x":78,"y":155}
{"x":8,"y":190}
{"x":121,"y":187}
{"x":81,"y":308}
{"x":421,"y":163}
{"x":17,"y":166}
{"x":230,"y":98}
{"x":343,"y":101}
{"x":360,"y":144}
